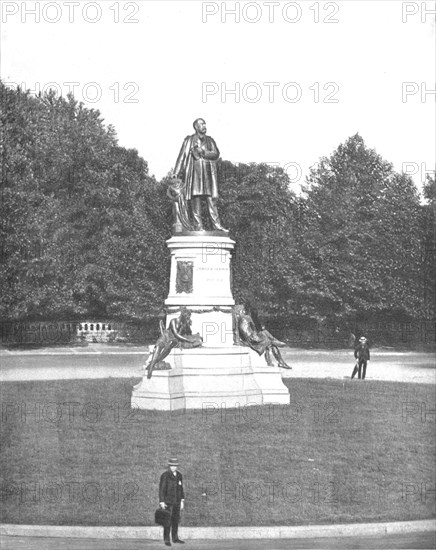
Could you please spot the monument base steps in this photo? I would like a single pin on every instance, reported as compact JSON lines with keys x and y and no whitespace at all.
{"x":209,"y":378}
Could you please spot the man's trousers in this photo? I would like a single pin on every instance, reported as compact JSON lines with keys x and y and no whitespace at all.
{"x":360,"y":369}
{"x":174,"y":527}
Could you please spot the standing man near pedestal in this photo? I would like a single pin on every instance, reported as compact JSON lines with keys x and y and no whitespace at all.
{"x":196,"y":166}
{"x":172,"y":496}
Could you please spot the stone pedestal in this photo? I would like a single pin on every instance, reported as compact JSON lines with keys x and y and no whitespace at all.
{"x":219,"y":373}
{"x":269,"y":379}
{"x":211,"y":378}
{"x":201,"y":281}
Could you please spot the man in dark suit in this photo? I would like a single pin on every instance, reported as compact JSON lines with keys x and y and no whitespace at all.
{"x":172,"y":496}
{"x":361,"y":353}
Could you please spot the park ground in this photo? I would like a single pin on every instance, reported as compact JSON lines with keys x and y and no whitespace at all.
{"x":123,"y":361}
{"x":343,"y":451}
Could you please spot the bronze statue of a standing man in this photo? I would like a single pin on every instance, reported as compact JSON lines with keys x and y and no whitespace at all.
{"x":196,"y":167}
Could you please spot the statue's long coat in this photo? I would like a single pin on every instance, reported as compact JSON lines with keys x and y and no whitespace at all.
{"x":199,"y":175}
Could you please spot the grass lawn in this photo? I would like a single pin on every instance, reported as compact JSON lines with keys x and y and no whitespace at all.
{"x":343,"y":451}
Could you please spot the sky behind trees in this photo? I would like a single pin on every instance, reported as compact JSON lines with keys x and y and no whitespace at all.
{"x":305,"y":76}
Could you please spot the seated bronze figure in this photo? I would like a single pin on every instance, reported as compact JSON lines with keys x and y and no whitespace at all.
{"x":260,"y":341}
{"x":179,"y":334}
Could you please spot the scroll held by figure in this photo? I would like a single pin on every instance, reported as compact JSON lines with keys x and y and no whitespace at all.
{"x":195,"y":178}
{"x":179,"y":334}
{"x":261,"y":341}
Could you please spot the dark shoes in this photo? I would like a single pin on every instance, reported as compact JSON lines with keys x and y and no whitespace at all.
{"x":168,"y":543}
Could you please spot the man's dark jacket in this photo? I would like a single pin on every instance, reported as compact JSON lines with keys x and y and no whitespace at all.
{"x":362,"y":352}
{"x":171,"y":488}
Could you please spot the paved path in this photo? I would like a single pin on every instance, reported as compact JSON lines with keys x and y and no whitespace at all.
{"x":103,"y":361}
{"x":405,"y":540}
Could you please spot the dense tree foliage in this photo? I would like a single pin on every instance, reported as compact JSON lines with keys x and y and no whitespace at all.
{"x":428,"y":249}
{"x":363,"y":226}
{"x":348,"y":250}
{"x":259,"y":209}
{"x":84,"y":227}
